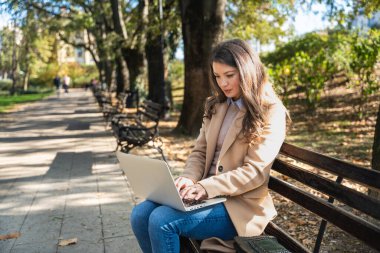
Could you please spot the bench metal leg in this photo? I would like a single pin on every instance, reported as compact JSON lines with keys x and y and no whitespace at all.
{"x":323,"y":225}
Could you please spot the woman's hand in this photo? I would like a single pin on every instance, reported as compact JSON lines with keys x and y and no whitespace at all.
{"x":194,"y":192}
{"x":183,"y":182}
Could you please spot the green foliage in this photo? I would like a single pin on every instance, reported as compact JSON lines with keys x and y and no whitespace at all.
{"x":309,"y":61}
{"x":301,"y":64}
{"x":310,"y":43}
{"x":285,"y":78}
{"x":44,"y":76}
{"x":176,"y":78}
{"x":80,"y":74}
{"x":312,"y":71}
{"x":260,"y":20}
{"x":176,"y":73}
{"x":5,"y":84}
{"x":337,"y":51}
{"x":364,"y":56}
{"x":6,"y":49}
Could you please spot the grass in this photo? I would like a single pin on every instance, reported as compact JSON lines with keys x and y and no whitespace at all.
{"x":7,"y":101}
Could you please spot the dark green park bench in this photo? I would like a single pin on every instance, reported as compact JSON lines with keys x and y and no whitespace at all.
{"x":138,"y":129}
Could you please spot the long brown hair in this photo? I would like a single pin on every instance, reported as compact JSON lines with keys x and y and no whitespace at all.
{"x":253,"y":80}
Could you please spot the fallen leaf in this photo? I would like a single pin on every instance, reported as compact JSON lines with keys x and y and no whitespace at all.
{"x":65,"y":242}
{"x":10,"y":236}
{"x":307,"y":241}
{"x":312,"y":222}
{"x":300,"y":222}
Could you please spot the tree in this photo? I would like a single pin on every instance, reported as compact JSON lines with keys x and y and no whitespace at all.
{"x":15,"y":59}
{"x":122,"y":73}
{"x":202,"y":28}
{"x":6,"y":36}
{"x":154,"y":50}
{"x":364,"y":56}
{"x":28,"y":28}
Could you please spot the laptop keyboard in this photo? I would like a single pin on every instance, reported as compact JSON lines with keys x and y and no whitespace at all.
{"x":192,"y":202}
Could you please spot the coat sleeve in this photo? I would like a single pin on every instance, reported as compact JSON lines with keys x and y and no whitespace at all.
{"x":195,"y":164}
{"x":255,"y":168}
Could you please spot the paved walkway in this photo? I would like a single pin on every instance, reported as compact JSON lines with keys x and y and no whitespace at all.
{"x":59,"y":179}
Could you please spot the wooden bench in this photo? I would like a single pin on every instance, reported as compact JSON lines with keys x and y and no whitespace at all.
{"x":116,"y":106}
{"x":103,"y":98}
{"x":314,"y":181}
{"x":138,"y":129}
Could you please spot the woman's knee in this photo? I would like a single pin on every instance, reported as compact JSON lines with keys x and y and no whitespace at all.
{"x":163,"y":218}
{"x":141,"y":212}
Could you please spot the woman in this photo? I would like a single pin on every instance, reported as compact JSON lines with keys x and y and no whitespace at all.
{"x":242,"y":132}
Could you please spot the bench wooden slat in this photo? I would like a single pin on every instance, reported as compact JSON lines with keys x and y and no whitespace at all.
{"x":156,"y":106}
{"x":137,"y":129}
{"x":150,"y":116}
{"x":347,"y":170}
{"x":355,"y":199}
{"x":352,"y":224}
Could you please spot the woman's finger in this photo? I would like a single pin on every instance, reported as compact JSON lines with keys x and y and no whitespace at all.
{"x":183,"y":182}
{"x":200,"y":195}
{"x":184,"y":192}
{"x":189,"y":192}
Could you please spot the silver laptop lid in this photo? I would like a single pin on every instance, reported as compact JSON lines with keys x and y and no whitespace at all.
{"x":150,"y":179}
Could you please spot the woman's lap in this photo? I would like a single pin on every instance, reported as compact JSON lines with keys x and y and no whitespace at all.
{"x":162,"y":225}
{"x":198,"y":224}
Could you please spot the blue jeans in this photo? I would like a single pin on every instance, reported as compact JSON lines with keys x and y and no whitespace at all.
{"x":157,"y":227}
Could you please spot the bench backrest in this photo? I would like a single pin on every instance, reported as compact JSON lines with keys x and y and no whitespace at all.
{"x":150,"y":112}
{"x":318,"y":176}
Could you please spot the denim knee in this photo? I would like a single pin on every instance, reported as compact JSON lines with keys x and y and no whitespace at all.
{"x":140,"y":214}
{"x":160,"y":219}
{"x":136,"y":217}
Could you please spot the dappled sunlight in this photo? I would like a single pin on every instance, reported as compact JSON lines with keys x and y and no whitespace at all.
{"x":59,"y":174}
{"x":20,"y":172}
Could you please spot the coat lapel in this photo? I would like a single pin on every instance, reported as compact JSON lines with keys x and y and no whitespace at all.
{"x":213,"y":133}
{"x":232,"y":132}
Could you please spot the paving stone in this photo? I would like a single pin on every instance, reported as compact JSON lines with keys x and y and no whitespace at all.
{"x":6,"y":245}
{"x":117,"y":223}
{"x":40,"y":228}
{"x":63,"y":184}
{"x":122,"y":244}
{"x":40,"y":247}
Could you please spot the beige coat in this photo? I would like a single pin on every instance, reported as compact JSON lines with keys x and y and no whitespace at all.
{"x":242,"y":170}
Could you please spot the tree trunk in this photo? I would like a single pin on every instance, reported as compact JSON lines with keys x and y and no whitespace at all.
{"x":119,"y":27}
{"x":202,"y":28}
{"x":375,"y":163}
{"x":155,"y":57}
{"x":26,"y":78}
{"x":135,"y":65}
{"x":122,"y":74}
{"x":25,"y":81}
{"x":14,"y":64}
{"x":117,"y":17}
{"x":109,"y":74}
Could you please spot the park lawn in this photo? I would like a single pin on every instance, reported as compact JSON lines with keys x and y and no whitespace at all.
{"x":7,"y":101}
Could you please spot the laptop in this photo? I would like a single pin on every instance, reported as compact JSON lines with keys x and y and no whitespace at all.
{"x":151,"y":179}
